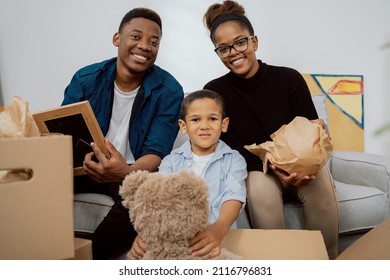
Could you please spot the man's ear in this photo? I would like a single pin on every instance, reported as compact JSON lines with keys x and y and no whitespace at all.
{"x":116,"y":39}
{"x":225,"y":124}
{"x":183,"y":127}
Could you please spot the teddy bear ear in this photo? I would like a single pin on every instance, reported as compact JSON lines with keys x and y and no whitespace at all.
{"x":130,"y":185}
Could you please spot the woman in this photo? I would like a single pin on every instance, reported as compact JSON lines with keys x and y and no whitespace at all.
{"x":260,"y":98}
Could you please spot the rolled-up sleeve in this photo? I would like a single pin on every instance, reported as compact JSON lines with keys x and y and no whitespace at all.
{"x":234,"y":187}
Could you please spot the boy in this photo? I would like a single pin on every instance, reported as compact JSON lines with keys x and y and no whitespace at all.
{"x":203,"y":118}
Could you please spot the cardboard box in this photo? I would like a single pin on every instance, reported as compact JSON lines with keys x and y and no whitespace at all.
{"x":258,"y":244}
{"x":374,"y":245}
{"x":36,"y":214}
{"x":82,"y":249}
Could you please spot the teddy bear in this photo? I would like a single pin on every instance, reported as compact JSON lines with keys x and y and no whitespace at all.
{"x":167,"y":210}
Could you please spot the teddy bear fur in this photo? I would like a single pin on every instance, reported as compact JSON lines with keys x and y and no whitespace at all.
{"x":167,"y":210}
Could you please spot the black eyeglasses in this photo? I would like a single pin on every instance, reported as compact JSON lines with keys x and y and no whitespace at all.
{"x":240,"y":45}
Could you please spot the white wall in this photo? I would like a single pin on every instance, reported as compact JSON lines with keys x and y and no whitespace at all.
{"x":43,"y":42}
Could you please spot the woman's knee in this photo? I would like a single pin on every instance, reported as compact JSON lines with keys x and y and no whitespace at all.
{"x":265,"y":202}
{"x":263,"y":185}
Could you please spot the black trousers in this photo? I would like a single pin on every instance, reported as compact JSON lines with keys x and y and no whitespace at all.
{"x":115,"y":234}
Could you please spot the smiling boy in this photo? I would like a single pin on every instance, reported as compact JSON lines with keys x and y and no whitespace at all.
{"x":203,"y":118}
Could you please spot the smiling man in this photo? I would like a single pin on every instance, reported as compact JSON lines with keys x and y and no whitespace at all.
{"x":137,"y":106}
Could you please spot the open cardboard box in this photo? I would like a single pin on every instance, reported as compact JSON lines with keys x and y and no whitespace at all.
{"x":36,"y":210}
{"x":374,"y":245}
{"x":258,"y":244}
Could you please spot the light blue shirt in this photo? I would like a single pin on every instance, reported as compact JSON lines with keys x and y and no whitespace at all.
{"x":225,"y":174}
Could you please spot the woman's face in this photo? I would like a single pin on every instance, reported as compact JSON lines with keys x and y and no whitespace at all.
{"x":243,"y":64}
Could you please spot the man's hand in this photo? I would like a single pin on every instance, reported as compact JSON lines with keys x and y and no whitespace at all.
{"x":105,"y":170}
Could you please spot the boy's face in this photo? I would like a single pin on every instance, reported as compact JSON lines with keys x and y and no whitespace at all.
{"x":138,"y":44}
{"x":204,"y":125}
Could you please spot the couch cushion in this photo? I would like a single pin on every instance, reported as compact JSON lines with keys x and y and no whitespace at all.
{"x":243,"y":220}
{"x":360,"y":207}
{"x":293,"y":212}
{"x":359,"y":168}
{"x":89,"y":210}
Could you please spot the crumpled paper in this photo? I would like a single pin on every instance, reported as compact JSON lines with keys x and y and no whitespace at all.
{"x":301,"y":146}
{"x":16,"y":120}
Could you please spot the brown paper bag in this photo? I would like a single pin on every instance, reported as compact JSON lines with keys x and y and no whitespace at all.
{"x":301,"y":146}
{"x":16,"y":120}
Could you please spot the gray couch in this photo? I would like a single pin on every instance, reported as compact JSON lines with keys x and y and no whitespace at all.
{"x":362,"y":188}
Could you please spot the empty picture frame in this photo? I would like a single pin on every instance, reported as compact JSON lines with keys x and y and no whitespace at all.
{"x":77,"y":120}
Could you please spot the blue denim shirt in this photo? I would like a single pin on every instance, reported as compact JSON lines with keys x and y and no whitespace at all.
{"x":225,"y":174}
{"x":155,"y":113}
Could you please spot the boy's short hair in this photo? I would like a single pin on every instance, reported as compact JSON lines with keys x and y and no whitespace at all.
{"x":199,"y":94}
{"x":140,"y":13}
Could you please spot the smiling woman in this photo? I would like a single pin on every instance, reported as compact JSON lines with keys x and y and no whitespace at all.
{"x":260,"y":99}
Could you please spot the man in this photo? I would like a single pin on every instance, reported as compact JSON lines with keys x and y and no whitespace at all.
{"x":137,"y":106}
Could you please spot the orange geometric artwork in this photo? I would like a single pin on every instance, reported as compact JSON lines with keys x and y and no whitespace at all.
{"x":347,"y":87}
{"x":343,"y":97}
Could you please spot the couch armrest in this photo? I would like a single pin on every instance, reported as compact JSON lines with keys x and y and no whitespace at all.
{"x":360,"y":168}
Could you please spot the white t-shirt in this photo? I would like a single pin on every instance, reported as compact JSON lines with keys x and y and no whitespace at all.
{"x":200,"y":164}
{"x":118,"y":132}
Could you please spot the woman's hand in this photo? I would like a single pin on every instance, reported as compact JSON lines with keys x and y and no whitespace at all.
{"x":323,"y":125}
{"x":138,"y":249}
{"x":291,"y":178}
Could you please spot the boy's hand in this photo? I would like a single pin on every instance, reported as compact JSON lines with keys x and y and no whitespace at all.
{"x":208,"y":242}
{"x":138,"y":249}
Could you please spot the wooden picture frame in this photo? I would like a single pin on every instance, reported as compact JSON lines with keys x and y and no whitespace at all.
{"x":77,"y":120}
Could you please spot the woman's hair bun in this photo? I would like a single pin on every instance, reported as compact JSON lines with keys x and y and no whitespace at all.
{"x":216,"y":10}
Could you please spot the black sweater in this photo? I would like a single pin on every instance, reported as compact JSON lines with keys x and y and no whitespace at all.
{"x":260,"y":105}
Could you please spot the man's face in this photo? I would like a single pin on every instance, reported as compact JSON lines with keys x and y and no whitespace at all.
{"x":138,"y":44}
